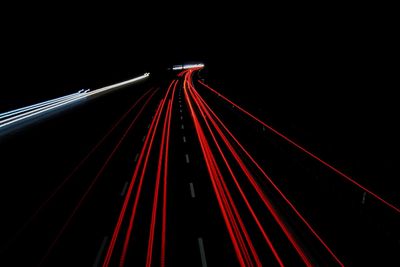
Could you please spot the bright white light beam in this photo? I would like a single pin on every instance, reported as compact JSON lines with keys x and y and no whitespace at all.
{"x":100,"y":90}
{"x":66,"y":101}
{"x":188,"y":66}
{"x":38,"y":111}
{"x":34,"y":106}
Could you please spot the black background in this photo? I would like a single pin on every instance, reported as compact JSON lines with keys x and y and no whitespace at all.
{"x":324,"y":74}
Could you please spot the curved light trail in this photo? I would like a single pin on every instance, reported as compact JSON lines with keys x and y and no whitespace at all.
{"x":170,"y":136}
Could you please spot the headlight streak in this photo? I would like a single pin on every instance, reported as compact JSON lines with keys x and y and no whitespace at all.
{"x":38,"y":111}
{"x":187,"y":66}
{"x":103,"y":89}
{"x":24,"y":113}
{"x":38,"y":105}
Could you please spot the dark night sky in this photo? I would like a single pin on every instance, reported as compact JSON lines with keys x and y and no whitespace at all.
{"x":327,"y":72}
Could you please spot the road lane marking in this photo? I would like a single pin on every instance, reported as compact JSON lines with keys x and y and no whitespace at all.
{"x":187,"y":158}
{"x":202,"y":252}
{"x":137,"y":156}
{"x":182,"y":126}
{"x":102,"y":247}
{"x":184,"y":139}
{"x":363,"y":198}
{"x":181,"y":117}
{"x":124,"y":189}
{"x":180,"y":110}
{"x":144,"y":137}
{"x":192,"y":190}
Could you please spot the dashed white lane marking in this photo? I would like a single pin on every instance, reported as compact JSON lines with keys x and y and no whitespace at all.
{"x":192,"y":190}
{"x":363,"y":198}
{"x":187,"y":158}
{"x":124,"y":189}
{"x":102,"y":247}
{"x":202,"y":252}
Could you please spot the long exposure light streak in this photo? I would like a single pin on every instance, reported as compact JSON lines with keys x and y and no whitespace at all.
{"x":164,"y":202}
{"x":93,"y":182}
{"x":128,"y":194}
{"x":157,"y":186}
{"x":207,"y":118}
{"x":347,"y":177}
{"x":265,"y":200}
{"x":37,"y":109}
{"x":224,"y":187}
{"x":118,"y":85}
{"x":290,"y":204}
{"x":187,"y":66}
{"x":293,"y":241}
{"x":153,"y":131}
{"x":143,"y":158}
{"x":231,"y":222}
{"x":233,"y":202}
{"x":77,"y":167}
{"x":34,"y":106}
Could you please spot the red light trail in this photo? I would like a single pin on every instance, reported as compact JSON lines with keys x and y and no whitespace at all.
{"x":306,"y":151}
{"x":260,"y":223}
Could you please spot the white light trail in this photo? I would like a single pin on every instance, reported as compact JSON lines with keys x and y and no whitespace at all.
{"x":187,"y":66}
{"x":38,"y":111}
{"x":59,"y":102}
{"x":39,"y":108}
{"x":38,"y":105}
{"x":119,"y":84}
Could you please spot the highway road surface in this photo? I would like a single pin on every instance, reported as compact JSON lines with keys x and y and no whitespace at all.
{"x":169,"y":172}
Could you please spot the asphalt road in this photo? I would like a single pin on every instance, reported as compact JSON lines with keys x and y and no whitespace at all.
{"x":38,"y":156}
